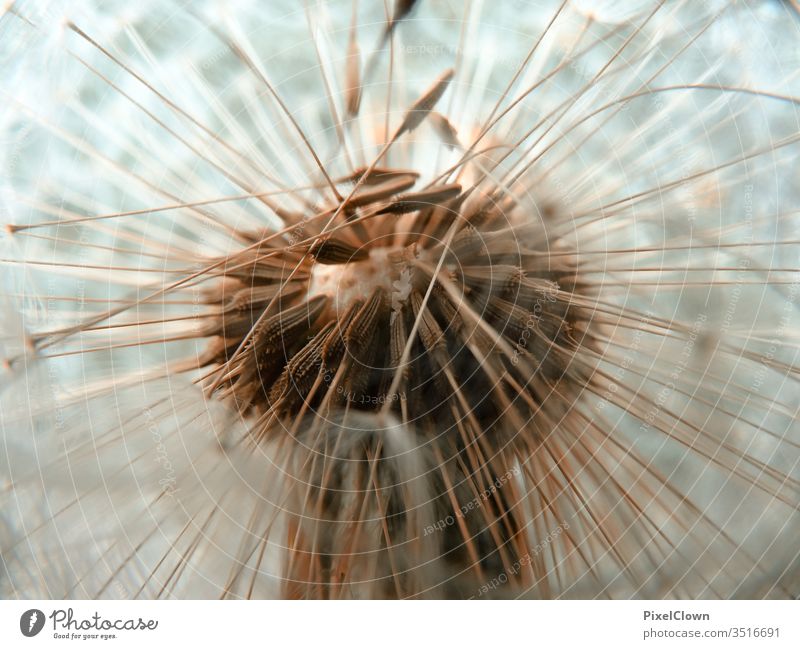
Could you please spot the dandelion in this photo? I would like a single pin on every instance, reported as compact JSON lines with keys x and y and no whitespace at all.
{"x":337,"y":300}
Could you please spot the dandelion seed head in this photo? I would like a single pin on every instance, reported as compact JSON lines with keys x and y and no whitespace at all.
{"x":365,"y":301}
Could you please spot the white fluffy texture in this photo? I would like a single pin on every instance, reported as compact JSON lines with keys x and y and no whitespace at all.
{"x":98,"y":523}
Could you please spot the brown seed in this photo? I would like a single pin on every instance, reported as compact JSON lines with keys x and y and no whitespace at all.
{"x":422,"y":199}
{"x":335,"y":251}
{"x":445,"y":130}
{"x":424,"y":105}
{"x":353,"y":71}
{"x":381,"y":191}
{"x":376,"y":175}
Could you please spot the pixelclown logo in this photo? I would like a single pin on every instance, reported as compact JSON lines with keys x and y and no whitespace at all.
{"x":31,"y":622}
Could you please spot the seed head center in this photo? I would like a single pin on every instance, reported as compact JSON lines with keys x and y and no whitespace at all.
{"x":346,"y":283}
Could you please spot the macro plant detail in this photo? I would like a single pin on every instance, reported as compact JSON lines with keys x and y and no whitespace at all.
{"x":338,"y":300}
